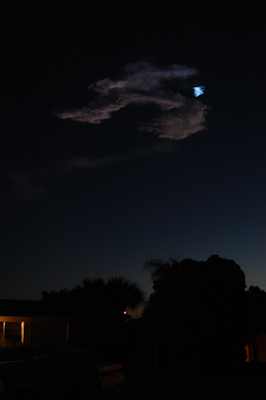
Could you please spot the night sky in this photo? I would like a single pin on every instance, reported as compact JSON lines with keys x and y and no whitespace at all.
{"x":107,"y":158}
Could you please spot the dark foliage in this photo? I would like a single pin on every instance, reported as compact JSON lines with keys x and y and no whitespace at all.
{"x":96,"y":309}
{"x":95,"y":297}
{"x":197,"y":314}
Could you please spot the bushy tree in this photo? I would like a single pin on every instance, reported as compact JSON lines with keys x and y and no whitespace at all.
{"x":255,"y":315}
{"x":94,"y":296}
{"x":196,"y":313}
{"x":96,"y":310}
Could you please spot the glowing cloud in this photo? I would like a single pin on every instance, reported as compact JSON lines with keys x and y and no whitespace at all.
{"x":142,"y":83}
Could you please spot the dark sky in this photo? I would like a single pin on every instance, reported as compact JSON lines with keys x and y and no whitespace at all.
{"x":107,"y":158}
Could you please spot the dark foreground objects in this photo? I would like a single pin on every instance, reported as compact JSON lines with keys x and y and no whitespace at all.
{"x":62,"y":370}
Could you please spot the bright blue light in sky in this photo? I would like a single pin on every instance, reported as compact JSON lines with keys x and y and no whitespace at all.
{"x":198,"y":90}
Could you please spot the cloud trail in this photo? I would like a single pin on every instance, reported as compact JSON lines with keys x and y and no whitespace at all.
{"x":175,"y":118}
{"x":143,"y":83}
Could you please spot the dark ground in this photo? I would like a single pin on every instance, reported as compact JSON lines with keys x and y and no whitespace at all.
{"x":249,"y":382}
{"x":245,"y":386}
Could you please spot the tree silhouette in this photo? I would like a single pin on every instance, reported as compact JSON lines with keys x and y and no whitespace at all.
{"x":96,"y":308}
{"x":90,"y":295}
{"x":255,"y":315}
{"x":197,"y":311}
{"x":94,"y":296}
{"x":123,"y":293}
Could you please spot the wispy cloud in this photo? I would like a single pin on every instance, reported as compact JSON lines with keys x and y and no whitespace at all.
{"x":180,"y":123}
{"x":22,"y":188}
{"x":175,"y":118}
{"x":84,"y":162}
{"x":143,"y":83}
{"x":25,"y":187}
